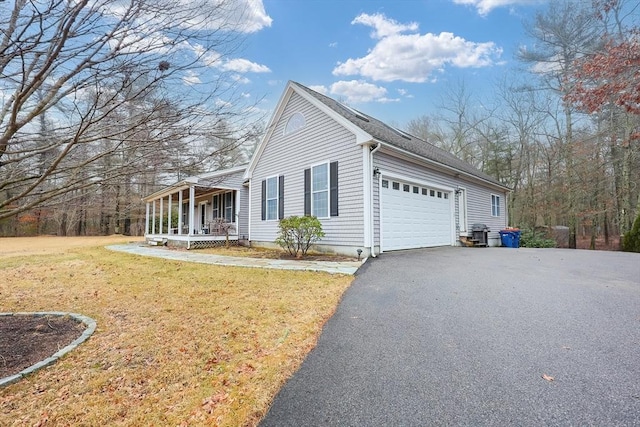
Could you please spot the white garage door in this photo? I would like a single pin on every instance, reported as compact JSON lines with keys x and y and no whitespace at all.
{"x":414,"y":216}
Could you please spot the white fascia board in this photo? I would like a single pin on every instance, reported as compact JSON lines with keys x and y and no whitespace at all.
{"x":361,"y":136}
{"x":182,"y":185}
{"x":392,"y":148}
{"x":222,"y":172}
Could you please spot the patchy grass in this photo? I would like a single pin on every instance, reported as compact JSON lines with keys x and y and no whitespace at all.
{"x":176,"y":343}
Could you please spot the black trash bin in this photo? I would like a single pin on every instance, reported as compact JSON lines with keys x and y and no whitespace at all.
{"x":479,"y":234}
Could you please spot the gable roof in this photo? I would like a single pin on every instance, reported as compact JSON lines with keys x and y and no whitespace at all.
{"x":398,"y":139}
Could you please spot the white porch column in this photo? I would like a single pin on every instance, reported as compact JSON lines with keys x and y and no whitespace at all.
{"x":180,"y":212}
{"x":169,"y":215}
{"x":153,"y":219}
{"x":161,"y":213}
{"x":146,"y":221}
{"x":192,"y":203}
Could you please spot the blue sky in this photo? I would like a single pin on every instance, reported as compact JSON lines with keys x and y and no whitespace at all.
{"x":394,"y":60}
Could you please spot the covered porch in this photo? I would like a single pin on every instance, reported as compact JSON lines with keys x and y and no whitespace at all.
{"x":194,"y":213}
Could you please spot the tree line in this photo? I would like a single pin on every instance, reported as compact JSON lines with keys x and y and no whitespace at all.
{"x":564,"y":132}
{"x":104,"y":102}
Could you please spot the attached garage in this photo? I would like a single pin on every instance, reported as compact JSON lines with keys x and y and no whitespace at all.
{"x":414,"y":215}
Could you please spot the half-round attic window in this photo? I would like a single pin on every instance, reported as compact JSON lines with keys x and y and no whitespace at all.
{"x":295,"y":122}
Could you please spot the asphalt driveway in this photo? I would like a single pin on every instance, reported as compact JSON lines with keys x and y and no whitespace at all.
{"x":477,"y":336}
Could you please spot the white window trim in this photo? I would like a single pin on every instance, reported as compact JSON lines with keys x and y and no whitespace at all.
{"x":492,"y":205}
{"x":266,"y":197}
{"x":287,"y":130}
{"x":328,"y":190}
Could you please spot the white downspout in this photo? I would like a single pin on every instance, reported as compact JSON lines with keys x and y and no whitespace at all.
{"x":372,"y":215}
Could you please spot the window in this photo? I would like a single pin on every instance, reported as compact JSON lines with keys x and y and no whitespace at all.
{"x":228,"y":207}
{"x":203,"y":214}
{"x":396,"y":185}
{"x":416,"y":190}
{"x":320,"y":191}
{"x":495,"y":205}
{"x":295,"y":122}
{"x":385,"y":183}
{"x":272,"y":198}
{"x":425,"y":192}
{"x":446,"y":195}
{"x":405,"y":187}
{"x":432,"y":193}
{"x":216,"y":206}
{"x":439,"y":194}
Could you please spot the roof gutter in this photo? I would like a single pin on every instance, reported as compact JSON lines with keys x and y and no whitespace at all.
{"x":433,"y":162}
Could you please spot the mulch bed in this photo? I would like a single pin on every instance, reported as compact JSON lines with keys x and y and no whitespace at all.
{"x":26,"y":340}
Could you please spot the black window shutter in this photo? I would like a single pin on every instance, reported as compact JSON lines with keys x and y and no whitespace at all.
{"x":264,"y":200}
{"x":281,"y":197}
{"x":307,"y":192}
{"x":333,"y":179}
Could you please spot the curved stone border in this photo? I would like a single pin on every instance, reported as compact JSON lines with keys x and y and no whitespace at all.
{"x":91,"y":327}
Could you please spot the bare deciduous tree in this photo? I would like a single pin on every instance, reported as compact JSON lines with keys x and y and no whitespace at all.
{"x":95,"y":92}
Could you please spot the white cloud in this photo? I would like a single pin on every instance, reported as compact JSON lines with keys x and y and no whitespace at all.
{"x":245,"y":16}
{"x":413,"y":57}
{"x":240,"y":79}
{"x":382,"y":25}
{"x":357,"y":91}
{"x":191,"y":78}
{"x":241,"y":65}
{"x":485,"y":6}
{"x":405,"y":93}
{"x":320,"y":89}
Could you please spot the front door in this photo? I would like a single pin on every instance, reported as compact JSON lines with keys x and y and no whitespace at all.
{"x":203,"y":215}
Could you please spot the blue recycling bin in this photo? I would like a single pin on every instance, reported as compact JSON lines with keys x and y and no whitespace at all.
{"x":510,"y":238}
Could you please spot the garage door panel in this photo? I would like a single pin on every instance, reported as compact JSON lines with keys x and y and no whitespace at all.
{"x":413,"y":220}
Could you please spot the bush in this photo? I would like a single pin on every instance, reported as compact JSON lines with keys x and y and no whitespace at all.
{"x":631,"y":240}
{"x":298,"y":233}
{"x":530,"y":239}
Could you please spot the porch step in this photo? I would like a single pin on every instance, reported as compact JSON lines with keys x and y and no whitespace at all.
{"x":157,"y":241}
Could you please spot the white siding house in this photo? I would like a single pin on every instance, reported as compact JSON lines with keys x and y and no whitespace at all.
{"x":373,"y":187}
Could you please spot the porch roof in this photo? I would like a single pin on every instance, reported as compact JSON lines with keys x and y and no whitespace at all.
{"x":202,"y":184}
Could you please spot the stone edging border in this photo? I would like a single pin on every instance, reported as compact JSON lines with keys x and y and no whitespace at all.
{"x":91,"y":327}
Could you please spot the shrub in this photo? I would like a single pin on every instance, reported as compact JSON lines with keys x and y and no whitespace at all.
{"x":298,"y":233}
{"x":631,"y":240}
{"x":530,"y":239}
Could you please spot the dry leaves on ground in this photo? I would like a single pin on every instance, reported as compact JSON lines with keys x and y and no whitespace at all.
{"x":176,"y":343}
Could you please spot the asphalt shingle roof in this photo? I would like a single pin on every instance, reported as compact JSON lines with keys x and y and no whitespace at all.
{"x":399,"y":139}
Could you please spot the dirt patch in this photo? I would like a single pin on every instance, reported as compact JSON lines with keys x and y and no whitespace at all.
{"x":242,"y":251}
{"x":601,"y":245}
{"x":26,"y":340}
